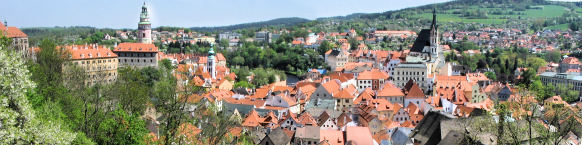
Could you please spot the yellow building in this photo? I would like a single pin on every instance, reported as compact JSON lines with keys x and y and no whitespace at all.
{"x":99,"y":63}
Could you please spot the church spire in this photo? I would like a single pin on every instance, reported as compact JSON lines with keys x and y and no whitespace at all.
{"x":433,"y":25}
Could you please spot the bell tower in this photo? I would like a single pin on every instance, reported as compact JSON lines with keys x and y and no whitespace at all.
{"x":211,"y":63}
{"x":144,"y":34}
{"x":434,"y":35}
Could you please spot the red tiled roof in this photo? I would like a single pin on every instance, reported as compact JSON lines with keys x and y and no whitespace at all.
{"x":11,"y":32}
{"x":571,"y":60}
{"x":135,"y":47}
{"x":366,"y":95}
{"x":343,"y":94}
{"x":332,"y":137}
{"x":252,"y":120}
{"x":390,"y":90}
{"x":415,"y":92}
{"x":373,"y":74}
{"x":89,"y":52}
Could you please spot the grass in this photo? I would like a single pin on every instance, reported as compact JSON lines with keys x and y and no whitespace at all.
{"x":559,"y":27}
{"x":547,"y":11}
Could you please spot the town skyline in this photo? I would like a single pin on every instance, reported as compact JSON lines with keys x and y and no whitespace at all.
{"x":122,"y":14}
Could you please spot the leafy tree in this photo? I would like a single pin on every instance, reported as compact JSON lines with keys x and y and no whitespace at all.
{"x":238,"y":60}
{"x":19,"y":122}
{"x":167,"y":64}
{"x":324,"y":47}
{"x":122,"y":128}
{"x":491,"y":75}
{"x":567,"y":93}
{"x":131,"y":90}
{"x":553,"y":56}
{"x":243,"y":84}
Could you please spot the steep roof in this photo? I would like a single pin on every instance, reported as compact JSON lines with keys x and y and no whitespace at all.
{"x":343,"y":94}
{"x":408,"y":85}
{"x":331,"y":87}
{"x":322,"y":118}
{"x":306,"y":118}
{"x":253,"y":119}
{"x":343,"y":120}
{"x":366,"y":95}
{"x":422,"y":40}
{"x":415,"y":92}
{"x":571,"y":60}
{"x":389,"y":90}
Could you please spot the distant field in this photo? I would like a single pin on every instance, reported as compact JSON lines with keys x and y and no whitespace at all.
{"x":542,"y":11}
{"x":559,"y":27}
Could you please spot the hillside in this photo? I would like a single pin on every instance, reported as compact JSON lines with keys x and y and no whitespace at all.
{"x":280,"y":22}
{"x":534,"y":14}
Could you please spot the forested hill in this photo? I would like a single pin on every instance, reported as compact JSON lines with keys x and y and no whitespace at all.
{"x":280,"y":22}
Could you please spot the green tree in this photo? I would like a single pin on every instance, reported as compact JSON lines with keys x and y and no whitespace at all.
{"x":243,"y":84}
{"x":567,"y":93}
{"x":491,"y":75}
{"x":324,"y":47}
{"x":122,"y":128}
{"x":19,"y":122}
{"x":553,"y":56}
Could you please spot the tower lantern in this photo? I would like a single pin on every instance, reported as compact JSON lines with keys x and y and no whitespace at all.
{"x":144,"y":26}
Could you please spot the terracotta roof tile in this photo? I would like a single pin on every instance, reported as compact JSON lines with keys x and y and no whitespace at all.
{"x":11,"y":32}
{"x":389,"y":90}
{"x":79,"y":52}
{"x":365,"y":96}
{"x":343,"y":94}
{"x":373,"y":74}
{"x":135,"y":47}
{"x":332,"y":137}
{"x":415,"y":92}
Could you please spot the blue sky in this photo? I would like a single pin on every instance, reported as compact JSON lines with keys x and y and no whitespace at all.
{"x":183,"y":13}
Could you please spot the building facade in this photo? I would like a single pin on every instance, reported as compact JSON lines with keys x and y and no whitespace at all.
{"x":137,"y":55}
{"x":336,"y":58}
{"x":98,"y":63}
{"x":411,"y":71}
{"x":572,"y":80}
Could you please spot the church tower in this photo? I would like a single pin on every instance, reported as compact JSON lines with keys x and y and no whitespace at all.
{"x":434,"y":35}
{"x":144,"y":34}
{"x":211,"y":63}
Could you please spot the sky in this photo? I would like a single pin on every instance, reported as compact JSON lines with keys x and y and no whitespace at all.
{"x":183,"y":13}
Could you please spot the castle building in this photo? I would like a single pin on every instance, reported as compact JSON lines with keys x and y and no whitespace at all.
{"x":144,"y":34}
{"x":98,"y":62}
{"x":19,"y":39}
{"x":137,"y":55}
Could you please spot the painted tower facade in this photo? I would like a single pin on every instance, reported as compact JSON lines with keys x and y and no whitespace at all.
{"x":144,"y":34}
{"x":211,"y":63}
